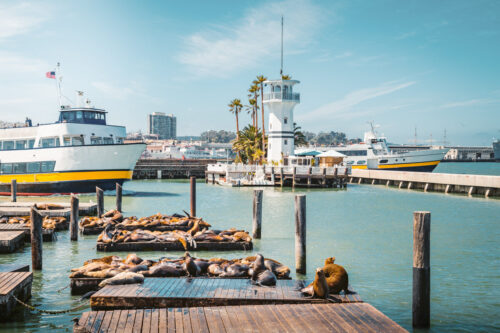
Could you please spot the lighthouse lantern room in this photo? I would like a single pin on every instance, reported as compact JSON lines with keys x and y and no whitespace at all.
{"x":280,"y":101}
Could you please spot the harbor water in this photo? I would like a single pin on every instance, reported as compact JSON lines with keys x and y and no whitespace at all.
{"x":367,"y":228}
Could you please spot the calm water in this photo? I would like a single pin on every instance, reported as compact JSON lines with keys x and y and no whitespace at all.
{"x":368,"y":228}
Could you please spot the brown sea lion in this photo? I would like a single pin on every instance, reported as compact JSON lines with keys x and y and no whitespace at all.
{"x":215,"y":269}
{"x":132,"y":258}
{"x":320,"y":286}
{"x":165,"y":270}
{"x":123,"y":278}
{"x":203,"y":265}
{"x":190,"y":266}
{"x":235,"y":270}
{"x":336,"y":277}
{"x":260,"y":274}
{"x":280,"y":270}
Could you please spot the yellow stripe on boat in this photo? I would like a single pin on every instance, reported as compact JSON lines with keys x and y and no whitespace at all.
{"x":407,"y":165}
{"x":67,"y":176}
{"x":358,"y":167}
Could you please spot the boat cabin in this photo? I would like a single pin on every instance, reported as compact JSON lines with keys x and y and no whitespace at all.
{"x":82,"y":116}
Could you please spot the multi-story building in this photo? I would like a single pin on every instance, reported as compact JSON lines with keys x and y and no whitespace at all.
{"x":162,"y":125}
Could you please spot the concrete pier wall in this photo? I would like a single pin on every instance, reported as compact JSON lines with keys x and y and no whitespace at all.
{"x":438,"y":182}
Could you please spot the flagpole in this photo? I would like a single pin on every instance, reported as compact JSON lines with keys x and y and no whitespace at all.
{"x":58,"y":82}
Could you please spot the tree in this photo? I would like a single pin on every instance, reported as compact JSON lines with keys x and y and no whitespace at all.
{"x":286,"y":77}
{"x":235,"y":107}
{"x":218,"y":136}
{"x":248,"y":144}
{"x":253,"y":90}
{"x":299,"y":137}
{"x":260,"y":80}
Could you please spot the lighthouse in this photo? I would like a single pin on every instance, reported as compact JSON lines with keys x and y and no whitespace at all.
{"x":280,"y":101}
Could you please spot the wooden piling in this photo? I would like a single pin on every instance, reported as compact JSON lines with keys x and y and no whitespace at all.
{"x":294,"y":171}
{"x":257,"y":214}
{"x":281,"y":177}
{"x":192,"y":183}
{"x":100,"y":201}
{"x":73,"y":220}
{"x":421,"y":269}
{"x":324,"y":176}
{"x":300,"y":233}
{"x":118,"y":197}
{"x":388,"y":183}
{"x":213,"y":178}
{"x":13,"y":190}
{"x":309,"y":172}
{"x":36,"y":239}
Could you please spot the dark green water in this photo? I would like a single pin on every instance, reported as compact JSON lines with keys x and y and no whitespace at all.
{"x":368,"y":228}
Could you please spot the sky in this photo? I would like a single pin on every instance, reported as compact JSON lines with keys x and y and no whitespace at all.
{"x":429,"y":66}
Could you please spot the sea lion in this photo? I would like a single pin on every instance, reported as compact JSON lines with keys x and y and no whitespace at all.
{"x":123,"y":278}
{"x":215,"y":269}
{"x":280,"y":270}
{"x":336,"y":277}
{"x":260,"y":274}
{"x":133,"y":259}
{"x":320,"y":286}
{"x":164,"y":270}
{"x":235,"y":270}
{"x":190,"y":266}
{"x":203,"y":265}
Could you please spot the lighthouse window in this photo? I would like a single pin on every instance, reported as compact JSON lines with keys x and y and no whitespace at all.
{"x":286,"y":142}
{"x":285,"y":120}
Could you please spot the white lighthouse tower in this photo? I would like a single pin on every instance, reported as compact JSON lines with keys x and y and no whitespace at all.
{"x":280,"y":101}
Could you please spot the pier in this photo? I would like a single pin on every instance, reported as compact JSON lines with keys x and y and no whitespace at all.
{"x":175,"y":246}
{"x":266,"y":175}
{"x":48,"y":235}
{"x":10,"y":241}
{"x":13,"y":284}
{"x":170,"y":168}
{"x":23,"y":209}
{"x":487,"y":186}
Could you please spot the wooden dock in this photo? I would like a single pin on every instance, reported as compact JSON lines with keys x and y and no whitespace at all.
{"x":10,"y":241}
{"x":97,"y":230}
{"x":169,"y":292}
{"x":14,"y":268}
{"x":16,"y":284}
{"x":22,"y":208}
{"x":175,"y":246}
{"x":314,"y":318}
{"x":48,"y":235}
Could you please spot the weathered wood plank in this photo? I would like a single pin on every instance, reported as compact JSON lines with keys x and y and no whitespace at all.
{"x":175,"y":246}
{"x":10,"y":241}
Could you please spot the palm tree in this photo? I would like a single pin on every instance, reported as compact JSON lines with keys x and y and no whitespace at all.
{"x":253,"y":90}
{"x":250,"y":109}
{"x":235,"y":107}
{"x":299,"y":137}
{"x":260,"y":80}
{"x":286,"y":77}
{"x":248,"y":145}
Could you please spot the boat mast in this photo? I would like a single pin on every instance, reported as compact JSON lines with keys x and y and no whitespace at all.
{"x":281,"y":68}
{"x":58,"y":83}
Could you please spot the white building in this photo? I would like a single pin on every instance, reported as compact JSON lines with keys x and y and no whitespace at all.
{"x":280,"y":100}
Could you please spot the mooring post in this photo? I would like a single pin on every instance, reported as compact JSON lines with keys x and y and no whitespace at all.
{"x":100,"y":201}
{"x":192,"y":183}
{"x":421,"y":304}
{"x":309,"y":173}
{"x":281,"y":177}
{"x":73,"y":218}
{"x":118,"y":197}
{"x":36,"y":239}
{"x":257,"y":214}
{"x":294,"y":171}
{"x":13,"y":190}
{"x":324,"y":176}
{"x":272,"y":175}
{"x":213,"y":178}
{"x":300,"y":233}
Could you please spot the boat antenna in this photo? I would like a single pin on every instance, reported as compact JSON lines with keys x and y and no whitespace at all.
{"x":58,"y":82}
{"x":281,"y":69}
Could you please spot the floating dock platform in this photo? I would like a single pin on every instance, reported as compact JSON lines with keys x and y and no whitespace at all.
{"x":175,"y":246}
{"x":48,"y":235}
{"x":487,"y":186}
{"x":97,"y":230}
{"x":176,"y":292}
{"x":10,"y":241}
{"x":14,"y":268}
{"x":22,"y":208}
{"x":314,"y":318}
{"x":16,"y":284}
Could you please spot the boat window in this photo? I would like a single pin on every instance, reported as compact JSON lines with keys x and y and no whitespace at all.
{"x":79,"y":115}
{"x":96,"y":140}
{"x":48,"y":142}
{"x":383,"y":161}
{"x":350,"y":162}
{"x":361,"y":162}
{"x":77,"y":141}
{"x":21,"y":144}
{"x":119,"y":140}
{"x":6,"y":167}
{"x":67,"y":141}
{"x":33,"y":167}
{"x":18,"y":167}
{"x":8,"y":145}
{"x":48,"y":166}
{"x":107,"y":141}
{"x":31,"y":143}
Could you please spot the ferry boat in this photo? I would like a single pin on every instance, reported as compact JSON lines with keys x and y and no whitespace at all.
{"x":373,"y":153}
{"x":73,"y":155}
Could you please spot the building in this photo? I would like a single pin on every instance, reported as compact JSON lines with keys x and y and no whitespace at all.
{"x":162,"y":125}
{"x":280,"y":101}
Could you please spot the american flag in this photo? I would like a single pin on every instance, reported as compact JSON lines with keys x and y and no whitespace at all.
{"x":51,"y":75}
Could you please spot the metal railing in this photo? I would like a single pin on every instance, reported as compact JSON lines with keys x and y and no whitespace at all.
{"x":282,"y":96}
{"x":299,"y":170}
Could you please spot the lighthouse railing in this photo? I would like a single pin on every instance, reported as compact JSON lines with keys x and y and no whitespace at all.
{"x":282,"y":96}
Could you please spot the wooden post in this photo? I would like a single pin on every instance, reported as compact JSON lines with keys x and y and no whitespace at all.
{"x":426,"y":187}
{"x":471,"y":190}
{"x":388,"y":183}
{"x":257,"y":214}
{"x":409,"y":185}
{"x":118,"y":197}
{"x":294,"y":170}
{"x":281,"y":177}
{"x":487,"y":193}
{"x":421,"y":269}
{"x":324,"y":176}
{"x":300,"y":233}
{"x":309,"y":172}
{"x":36,"y":239}
{"x":100,"y":201}
{"x":213,"y":178}
{"x":192,"y":182}
{"x":272,"y":176}
{"x":13,"y":190}
{"x":73,"y":219}
{"x":447,"y":189}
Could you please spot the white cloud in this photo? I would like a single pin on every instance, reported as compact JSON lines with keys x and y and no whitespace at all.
{"x":354,"y":98}
{"x":20,"y":18}
{"x":223,"y":50}
{"x":472,"y":102}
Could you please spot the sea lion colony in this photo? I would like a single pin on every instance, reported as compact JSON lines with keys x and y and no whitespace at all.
{"x":115,"y":234}
{"x":115,"y":217}
{"x":47,"y":222}
{"x":111,"y":266}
